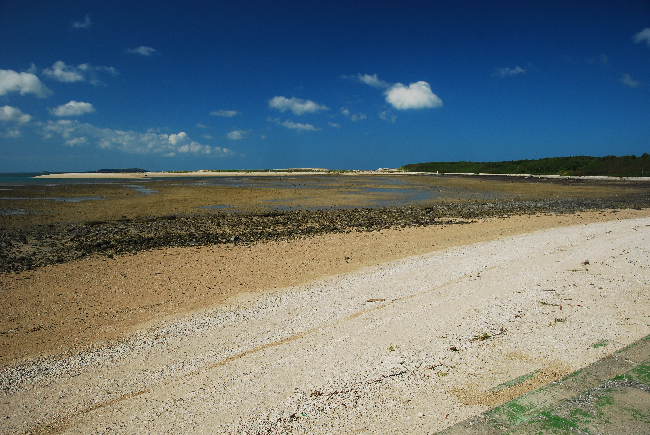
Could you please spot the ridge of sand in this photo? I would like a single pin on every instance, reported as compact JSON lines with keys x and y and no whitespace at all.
{"x":410,"y":346}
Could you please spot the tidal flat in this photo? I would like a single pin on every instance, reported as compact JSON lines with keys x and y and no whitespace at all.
{"x":64,"y":220}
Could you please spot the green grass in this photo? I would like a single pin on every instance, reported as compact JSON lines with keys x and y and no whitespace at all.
{"x":624,"y":166}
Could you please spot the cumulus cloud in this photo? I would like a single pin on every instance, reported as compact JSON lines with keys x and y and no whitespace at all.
{"x":83,"y":24}
{"x":298,"y":126}
{"x":296,"y":105}
{"x":75,"y":133}
{"x":416,"y":96}
{"x":13,"y":118}
{"x":507,"y":72}
{"x":387,"y":115}
{"x":12,"y":114}
{"x":643,"y":35}
{"x":293,"y":125}
{"x":80,"y":73}
{"x":372,"y":80}
{"x":73,"y":108}
{"x":627,"y":80}
{"x":334,"y":125}
{"x":236,"y":134}
{"x":353,"y":116}
{"x":24,"y":82}
{"x":144,"y":51}
{"x":225,"y":113}
{"x":77,"y":142}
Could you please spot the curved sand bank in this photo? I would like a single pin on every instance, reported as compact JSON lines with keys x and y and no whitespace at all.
{"x":411,"y":346}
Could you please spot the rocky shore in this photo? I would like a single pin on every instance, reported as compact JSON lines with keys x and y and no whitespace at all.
{"x":32,"y":247}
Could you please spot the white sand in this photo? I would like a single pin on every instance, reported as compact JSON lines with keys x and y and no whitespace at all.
{"x":207,"y":173}
{"x":368,"y":352}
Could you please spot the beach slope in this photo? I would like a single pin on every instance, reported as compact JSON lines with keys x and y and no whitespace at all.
{"x":409,"y":346}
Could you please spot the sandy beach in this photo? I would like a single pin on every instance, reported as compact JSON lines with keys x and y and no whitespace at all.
{"x":404,"y":330}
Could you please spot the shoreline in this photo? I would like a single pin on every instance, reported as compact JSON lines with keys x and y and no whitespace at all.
{"x":208,"y":173}
{"x":95,"y":293}
{"x":349,"y":346}
{"x":282,"y":173}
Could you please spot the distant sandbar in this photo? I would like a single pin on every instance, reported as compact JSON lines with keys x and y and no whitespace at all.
{"x":207,"y":173}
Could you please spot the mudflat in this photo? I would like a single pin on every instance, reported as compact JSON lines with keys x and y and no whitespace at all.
{"x":303,"y":285}
{"x":63,"y":200}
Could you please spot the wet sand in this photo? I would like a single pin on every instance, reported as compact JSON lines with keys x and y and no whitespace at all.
{"x":29,"y":205}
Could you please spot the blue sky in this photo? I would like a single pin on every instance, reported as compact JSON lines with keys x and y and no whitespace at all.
{"x":343,"y":85}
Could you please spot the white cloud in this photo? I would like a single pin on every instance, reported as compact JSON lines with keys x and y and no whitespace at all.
{"x":24,"y":82}
{"x":296,"y":105}
{"x":387,"y":115}
{"x":64,"y":73}
{"x":225,"y":113}
{"x":293,"y":125}
{"x":176,"y":139}
{"x":13,"y":119}
{"x":236,"y":134}
{"x":83,"y":24}
{"x":199,"y":125}
{"x":14,"y":115}
{"x":73,"y":108}
{"x":77,"y":141}
{"x":354,"y":117}
{"x":76,"y":133}
{"x":627,"y":80}
{"x":643,"y":35}
{"x":507,"y":72}
{"x":144,"y":51}
{"x":373,"y":80}
{"x":80,"y":73}
{"x":334,"y":125}
{"x":415,"y":96}
{"x":299,"y":126}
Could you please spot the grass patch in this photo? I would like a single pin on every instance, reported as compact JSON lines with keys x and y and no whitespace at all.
{"x":641,"y":372}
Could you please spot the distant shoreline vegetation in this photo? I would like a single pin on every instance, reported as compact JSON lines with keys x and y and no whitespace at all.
{"x":624,"y":166}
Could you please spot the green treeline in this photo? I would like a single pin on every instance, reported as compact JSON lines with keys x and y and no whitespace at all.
{"x":624,"y":166}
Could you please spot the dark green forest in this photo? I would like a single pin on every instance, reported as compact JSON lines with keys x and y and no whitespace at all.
{"x":613,"y":166}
